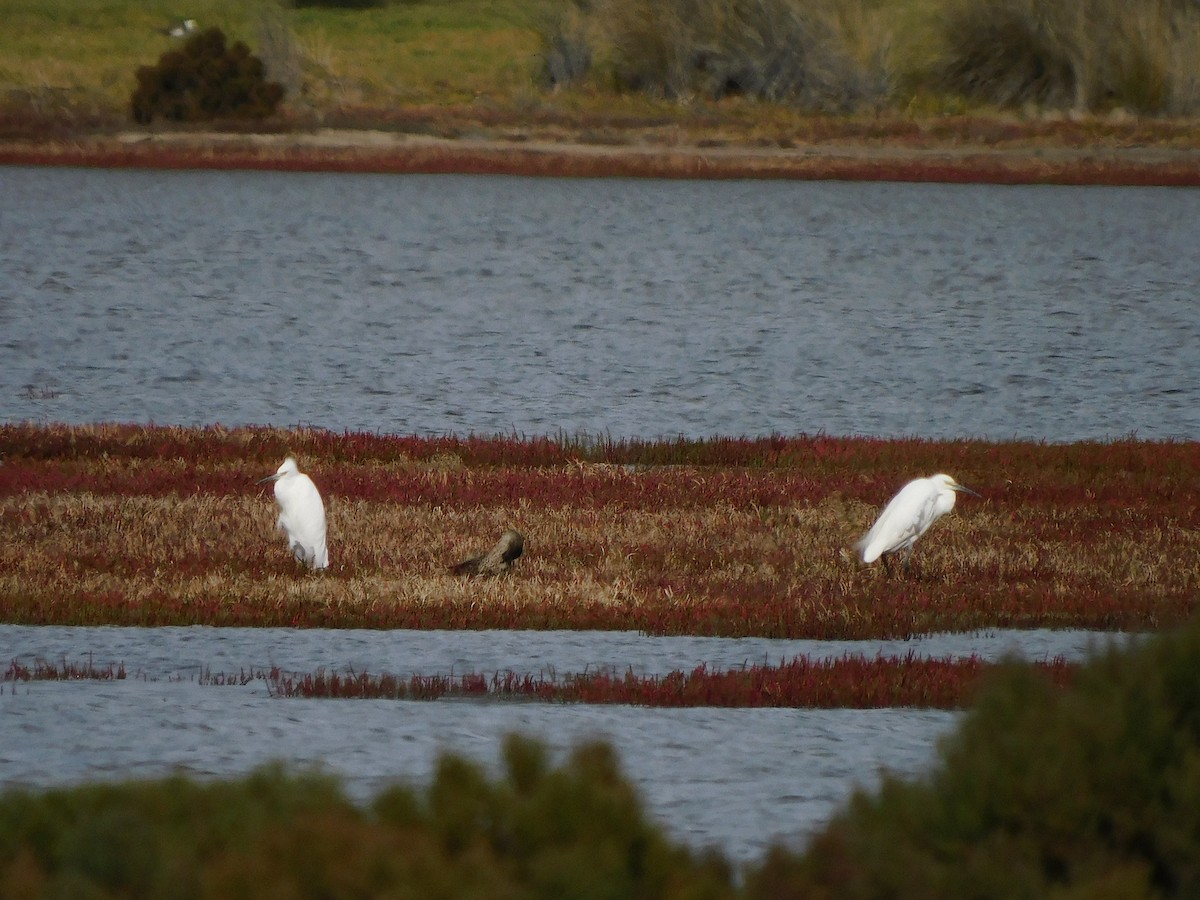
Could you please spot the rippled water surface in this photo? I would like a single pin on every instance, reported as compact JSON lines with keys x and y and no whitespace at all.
{"x":183,"y":652}
{"x":737,"y":778}
{"x":634,"y":308}
{"x":630,"y":307}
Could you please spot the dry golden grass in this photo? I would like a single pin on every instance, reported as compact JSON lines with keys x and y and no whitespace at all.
{"x":99,"y":527}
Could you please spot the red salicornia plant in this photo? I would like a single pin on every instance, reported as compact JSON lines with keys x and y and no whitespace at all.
{"x":134,"y":525}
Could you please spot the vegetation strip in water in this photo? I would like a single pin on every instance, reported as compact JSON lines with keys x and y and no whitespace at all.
{"x":131,"y":525}
{"x":1084,"y":791}
{"x":44,"y":670}
{"x":850,"y":683}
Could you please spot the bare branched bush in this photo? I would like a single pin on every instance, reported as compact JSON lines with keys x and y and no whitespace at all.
{"x":775,"y":50}
{"x":1185,"y":61}
{"x":789,"y":51}
{"x":1091,"y":56}
{"x":1150,"y":61}
{"x":278,"y":50}
{"x":649,"y":43}
{"x":1007,"y":53}
{"x":565,"y":33}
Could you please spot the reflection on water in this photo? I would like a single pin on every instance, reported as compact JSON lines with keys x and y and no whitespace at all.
{"x":635,"y":308}
{"x":738,"y":778}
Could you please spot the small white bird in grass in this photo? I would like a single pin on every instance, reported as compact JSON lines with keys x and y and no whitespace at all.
{"x":180,"y":29}
{"x":919,"y":504}
{"x":301,"y":514}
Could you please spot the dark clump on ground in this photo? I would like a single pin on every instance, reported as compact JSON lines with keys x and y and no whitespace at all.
{"x":496,"y":561}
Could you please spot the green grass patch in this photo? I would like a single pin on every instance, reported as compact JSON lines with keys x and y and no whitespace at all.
{"x":91,"y":49}
{"x":398,"y":53}
{"x":735,"y":69}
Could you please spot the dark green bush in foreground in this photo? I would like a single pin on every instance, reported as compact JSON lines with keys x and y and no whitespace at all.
{"x":1087,"y":793}
{"x":577,"y":831}
{"x":204,"y":81}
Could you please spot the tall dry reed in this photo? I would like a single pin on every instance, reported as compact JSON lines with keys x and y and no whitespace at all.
{"x":1097,"y":55}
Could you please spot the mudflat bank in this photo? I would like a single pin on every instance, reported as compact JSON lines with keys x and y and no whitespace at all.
{"x":956,"y":156}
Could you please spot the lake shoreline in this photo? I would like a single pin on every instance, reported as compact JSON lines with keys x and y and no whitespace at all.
{"x":363,"y":150}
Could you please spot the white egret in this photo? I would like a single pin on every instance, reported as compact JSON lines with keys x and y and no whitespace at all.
{"x":919,"y":504}
{"x":301,"y":514}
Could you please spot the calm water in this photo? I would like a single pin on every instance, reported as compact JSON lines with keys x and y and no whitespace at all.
{"x":182,"y":653}
{"x":731,"y":777}
{"x":737,"y":778}
{"x":634,"y":308}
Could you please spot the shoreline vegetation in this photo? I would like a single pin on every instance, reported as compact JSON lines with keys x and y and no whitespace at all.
{"x":944,"y":91}
{"x":1062,"y":780}
{"x":844,"y":158}
{"x":145,"y":525}
{"x":849,"y":682}
{"x":1043,"y":789}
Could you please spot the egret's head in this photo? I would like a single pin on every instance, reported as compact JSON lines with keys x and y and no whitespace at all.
{"x":288,"y":467}
{"x":948,"y":481}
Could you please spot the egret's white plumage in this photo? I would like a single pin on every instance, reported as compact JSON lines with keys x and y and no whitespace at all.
{"x":919,"y":504}
{"x":301,"y":514}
